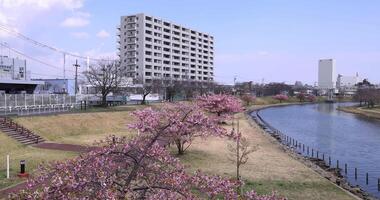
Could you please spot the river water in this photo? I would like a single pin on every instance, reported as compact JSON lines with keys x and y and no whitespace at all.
{"x":349,"y":138}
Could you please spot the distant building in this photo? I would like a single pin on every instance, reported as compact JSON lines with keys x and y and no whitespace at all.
{"x":326,"y":74}
{"x":348,"y":81}
{"x":153,"y":48}
{"x":56,"y":86}
{"x":14,"y":78}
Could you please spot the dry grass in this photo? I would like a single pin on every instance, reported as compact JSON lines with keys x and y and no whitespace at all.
{"x":17,"y":152}
{"x":363,"y":111}
{"x":268,"y":169}
{"x":81,"y":128}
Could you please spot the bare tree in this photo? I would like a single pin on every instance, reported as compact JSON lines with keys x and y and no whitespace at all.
{"x":105,"y":78}
{"x":153,"y":86}
{"x":240,"y":151}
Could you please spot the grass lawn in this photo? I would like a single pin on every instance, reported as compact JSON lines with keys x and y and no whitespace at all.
{"x":268,"y":100}
{"x":79,"y":128}
{"x":268,"y":169}
{"x":363,"y":111}
{"x":17,"y":152}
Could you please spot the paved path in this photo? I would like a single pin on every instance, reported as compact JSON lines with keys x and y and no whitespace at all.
{"x":64,"y":147}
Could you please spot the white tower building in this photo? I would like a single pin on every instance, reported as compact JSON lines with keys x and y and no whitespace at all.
{"x":326,"y":74}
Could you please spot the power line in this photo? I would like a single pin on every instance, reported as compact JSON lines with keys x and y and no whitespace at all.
{"x":32,"y":58}
{"x":21,"y":36}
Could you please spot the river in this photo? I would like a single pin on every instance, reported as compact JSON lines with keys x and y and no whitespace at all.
{"x":349,"y":138}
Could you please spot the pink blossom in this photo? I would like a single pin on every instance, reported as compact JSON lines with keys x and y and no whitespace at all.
{"x":220,"y":104}
{"x":281,"y":97}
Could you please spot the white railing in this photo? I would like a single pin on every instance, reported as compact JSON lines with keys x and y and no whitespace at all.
{"x":26,"y":103}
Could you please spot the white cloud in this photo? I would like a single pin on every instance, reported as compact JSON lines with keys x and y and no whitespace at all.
{"x":75,"y":22}
{"x":20,"y":14}
{"x":42,"y":4}
{"x":102,"y":34}
{"x":80,"y":35}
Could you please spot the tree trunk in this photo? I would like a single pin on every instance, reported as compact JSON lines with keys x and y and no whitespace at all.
{"x":143,"y":102}
{"x":180,"y":147}
{"x":104,"y":100}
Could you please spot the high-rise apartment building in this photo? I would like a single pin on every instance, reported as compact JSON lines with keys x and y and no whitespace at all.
{"x":152,"y":48}
{"x":326,"y":74}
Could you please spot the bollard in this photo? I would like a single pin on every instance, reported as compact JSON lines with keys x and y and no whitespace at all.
{"x":317,"y":154}
{"x":356,"y":173}
{"x":307,"y":150}
{"x":22,"y":173}
{"x":22,"y":167}
{"x":7,"y":166}
{"x":329,"y":161}
{"x":345,"y":168}
{"x":337,"y":164}
{"x":366,"y":178}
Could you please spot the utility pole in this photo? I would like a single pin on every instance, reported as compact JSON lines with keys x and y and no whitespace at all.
{"x":64,"y":65}
{"x":64,"y":72}
{"x":234,"y":88}
{"x":76,"y":76}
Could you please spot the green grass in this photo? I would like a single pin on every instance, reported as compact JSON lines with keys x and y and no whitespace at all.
{"x":17,"y":152}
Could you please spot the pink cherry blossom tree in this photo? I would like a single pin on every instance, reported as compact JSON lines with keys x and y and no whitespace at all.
{"x":140,"y":168}
{"x":311,"y":98}
{"x":221,"y":105}
{"x":248,"y":99}
{"x":301,"y":96}
{"x":281,"y":97}
{"x":187,"y":121}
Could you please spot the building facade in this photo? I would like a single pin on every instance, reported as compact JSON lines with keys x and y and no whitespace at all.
{"x":56,"y":86}
{"x":14,"y":78}
{"x":154,"y":49}
{"x":348,"y":81}
{"x":326,"y":74}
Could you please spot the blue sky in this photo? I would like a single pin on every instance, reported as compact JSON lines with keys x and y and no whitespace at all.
{"x":270,"y":40}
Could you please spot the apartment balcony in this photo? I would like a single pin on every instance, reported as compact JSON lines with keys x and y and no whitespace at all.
{"x":131,"y":62}
{"x":132,"y":26}
{"x":131,"y":48}
{"x":118,"y":27}
{"x":133,"y":34}
{"x":132,"y":41}
{"x":132,"y":21}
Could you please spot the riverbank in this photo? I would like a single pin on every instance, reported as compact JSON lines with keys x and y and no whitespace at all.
{"x":270,"y":168}
{"x":317,"y":164}
{"x":373,"y":113}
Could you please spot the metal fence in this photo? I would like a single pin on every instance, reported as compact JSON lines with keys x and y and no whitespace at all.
{"x":25,"y":104}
